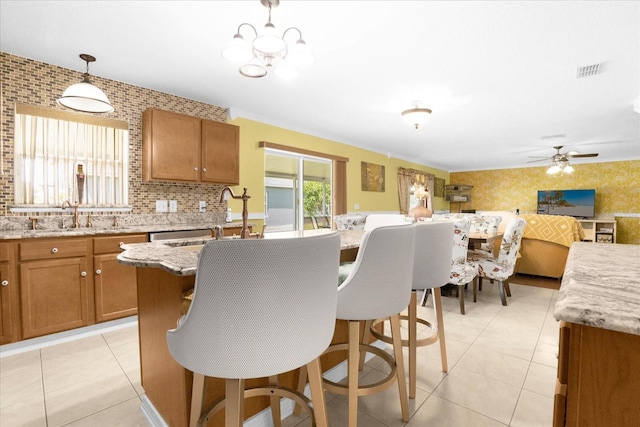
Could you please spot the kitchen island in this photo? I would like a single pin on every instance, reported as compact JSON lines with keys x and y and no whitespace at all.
{"x":165,"y":271}
{"x":599,"y":357}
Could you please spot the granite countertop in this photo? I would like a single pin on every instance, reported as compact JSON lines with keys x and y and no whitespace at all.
{"x":128,"y":224}
{"x":601,"y":287}
{"x":180,"y":256}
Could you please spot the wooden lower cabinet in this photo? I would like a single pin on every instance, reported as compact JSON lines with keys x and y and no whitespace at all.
{"x":598,"y":378}
{"x":8,"y":296}
{"x":55,"y":296}
{"x":114,"y":283}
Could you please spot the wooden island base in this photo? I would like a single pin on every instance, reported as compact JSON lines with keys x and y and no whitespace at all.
{"x":167,"y":385}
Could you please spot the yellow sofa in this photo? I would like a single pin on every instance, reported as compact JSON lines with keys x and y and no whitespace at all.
{"x":545,"y":244}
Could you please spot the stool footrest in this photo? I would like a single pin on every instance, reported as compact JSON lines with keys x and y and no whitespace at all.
{"x":405,"y":343}
{"x":368,"y":389}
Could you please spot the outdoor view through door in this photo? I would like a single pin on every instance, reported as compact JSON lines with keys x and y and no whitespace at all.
{"x":297,"y":191}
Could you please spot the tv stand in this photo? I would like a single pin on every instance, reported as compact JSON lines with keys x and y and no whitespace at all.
{"x":599,"y":230}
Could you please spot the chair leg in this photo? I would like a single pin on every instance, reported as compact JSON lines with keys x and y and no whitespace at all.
{"x":475,"y":289}
{"x":501,"y":289}
{"x":413,"y":333}
{"x":353,"y":362}
{"x":365,"y":340}
{"x":425,"y":295}
{"x":197,"y":396}
{"x":274,"y":400}
{"x":317,"y":393}
{"x":461,"y":294}
{"x":507,"y":288}
{"x":234,"y":407}
{"x":302,"y":382}
{"x":480,"y":283}
{"x":397,"y":350}
{"x":437,"y":306}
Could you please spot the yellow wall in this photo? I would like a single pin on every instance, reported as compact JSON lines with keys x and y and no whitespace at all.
{"x":617,"y":186}
{"x":252,"y":168}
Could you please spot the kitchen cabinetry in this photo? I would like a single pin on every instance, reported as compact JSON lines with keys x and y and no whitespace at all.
{"x":114,"y":283}
{"x":56,"y":293}
{"x":8,"y":295}
{"x":181,"y":148}
{"x":598,"y":377}
{"x":599,"y":230}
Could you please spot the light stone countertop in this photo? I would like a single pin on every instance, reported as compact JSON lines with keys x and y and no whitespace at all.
{"x":601,"y":287}
{"x":180,"y":256}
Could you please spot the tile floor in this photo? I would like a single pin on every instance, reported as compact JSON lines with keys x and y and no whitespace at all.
{"x":502,"y":368}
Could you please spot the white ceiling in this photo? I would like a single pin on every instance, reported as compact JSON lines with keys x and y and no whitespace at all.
{"x":498,"y":75}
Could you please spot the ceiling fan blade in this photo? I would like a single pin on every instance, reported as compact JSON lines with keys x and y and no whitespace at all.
{"x":582,"y":155}
{"x":538,"y":160}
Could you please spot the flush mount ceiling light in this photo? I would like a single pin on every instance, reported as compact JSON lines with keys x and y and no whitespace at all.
{"x":268,"y":50}
{"x":84,"y":96}
{"x":416,"y":116}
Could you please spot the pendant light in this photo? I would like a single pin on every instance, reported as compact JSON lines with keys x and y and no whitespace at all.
{"x":84,"y":96}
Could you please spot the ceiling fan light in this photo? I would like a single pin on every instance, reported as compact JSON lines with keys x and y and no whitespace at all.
{"x":553,"y":169}
{"x":568,"y":169}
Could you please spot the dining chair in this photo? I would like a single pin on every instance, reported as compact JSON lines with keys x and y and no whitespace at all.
{"x":486,"y":225}
{"x":246,"y":299}
{"x":431,"y":270}
{"x":462,"y":272}
{"x":502,"y":267}
{"x":379,"y":286}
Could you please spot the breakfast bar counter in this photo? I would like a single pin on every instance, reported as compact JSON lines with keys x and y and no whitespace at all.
{"x":599,"y":355}
{"x":165,"y":270}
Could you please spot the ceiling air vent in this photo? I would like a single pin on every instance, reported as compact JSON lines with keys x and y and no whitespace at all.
{"x":589,"y":70}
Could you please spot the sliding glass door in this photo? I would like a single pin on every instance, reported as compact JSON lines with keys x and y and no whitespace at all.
{"x":297,"y":191}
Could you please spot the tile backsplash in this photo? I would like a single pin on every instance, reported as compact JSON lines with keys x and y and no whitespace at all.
{"x":30,"y":82}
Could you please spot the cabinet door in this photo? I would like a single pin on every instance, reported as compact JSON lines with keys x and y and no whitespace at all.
{"x":170,"y":146}
{"x":8,"y":307}
{"x":54,"y":296}
{"x":220,"y":153}
{"x":115,"y":288}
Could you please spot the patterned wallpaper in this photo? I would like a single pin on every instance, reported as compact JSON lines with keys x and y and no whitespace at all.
{"x":617,"y":186}
{"x":30,"y":82}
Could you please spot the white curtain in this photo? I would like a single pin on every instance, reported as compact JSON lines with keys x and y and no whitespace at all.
{"x":48,"y":151}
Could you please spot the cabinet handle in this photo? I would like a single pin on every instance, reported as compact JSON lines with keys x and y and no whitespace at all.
{"x":54,"y":250}
{"x":5,"y":283}
{"x":83,"y":274}
{"x":195,"y":169}
{"x":98,"y":271}
{"x":204,"y":169}
{"x":121,"y":243}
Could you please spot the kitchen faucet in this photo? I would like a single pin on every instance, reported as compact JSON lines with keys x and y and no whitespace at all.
{"x":75,"y":212}
{"x":244,"y":234}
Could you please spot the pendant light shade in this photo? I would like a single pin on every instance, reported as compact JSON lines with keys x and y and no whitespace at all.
{"x":84,"y":96}
{"x":416,"y":116}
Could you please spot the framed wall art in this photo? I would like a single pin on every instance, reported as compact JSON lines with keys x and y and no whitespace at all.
{"x":372,"y":177}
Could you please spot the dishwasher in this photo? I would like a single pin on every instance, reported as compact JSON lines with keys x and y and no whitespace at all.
{"x":178,"y":234}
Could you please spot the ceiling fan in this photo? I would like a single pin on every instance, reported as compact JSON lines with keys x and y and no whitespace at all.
{"x":560,"y":161}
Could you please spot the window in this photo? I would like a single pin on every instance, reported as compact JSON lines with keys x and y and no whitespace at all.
{"x":49,"y":146}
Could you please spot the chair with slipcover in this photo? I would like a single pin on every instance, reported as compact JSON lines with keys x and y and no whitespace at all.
{"x":378,"y":286}
{"x":431,"y":271}
{"x":502,"y":267}
{"x":376,"y":220}
{"x":238,"y":326}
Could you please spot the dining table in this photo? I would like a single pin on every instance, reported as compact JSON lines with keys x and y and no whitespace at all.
{"x":478,"y":238}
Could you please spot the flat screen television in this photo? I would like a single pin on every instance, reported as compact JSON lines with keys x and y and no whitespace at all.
{"x":576,"y":203}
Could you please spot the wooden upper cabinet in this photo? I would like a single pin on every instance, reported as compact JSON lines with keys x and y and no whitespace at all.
{"x":181,"y":148}
{"x":220,"y":153}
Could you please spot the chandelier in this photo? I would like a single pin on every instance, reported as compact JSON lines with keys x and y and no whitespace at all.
{"x":268,"y":50}
{"x":84,"y":96}
{"x":416,"y":116}
{"x":560,"y":166}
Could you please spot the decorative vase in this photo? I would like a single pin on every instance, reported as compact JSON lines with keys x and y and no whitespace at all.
{"x":420,"y":212}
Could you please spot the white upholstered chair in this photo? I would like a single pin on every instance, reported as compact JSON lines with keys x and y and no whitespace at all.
{"x":377,"y":220}
{"x":378,"y":286}
{"x":502,"y":267}
{"x":431,"y":270}
{"x":239,"y":325}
